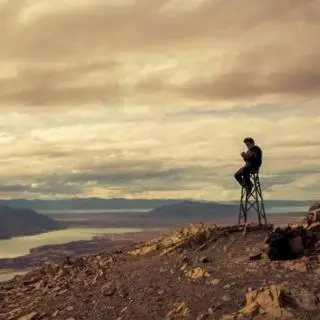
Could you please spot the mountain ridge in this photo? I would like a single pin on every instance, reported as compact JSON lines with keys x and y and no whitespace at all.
{"x":121,"y":203}
{"x":24,"y":222}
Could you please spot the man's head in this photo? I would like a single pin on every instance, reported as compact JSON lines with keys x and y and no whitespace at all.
{"x":249,"y":142}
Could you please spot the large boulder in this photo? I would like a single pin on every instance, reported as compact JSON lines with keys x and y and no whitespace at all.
{"x":313,"y":214}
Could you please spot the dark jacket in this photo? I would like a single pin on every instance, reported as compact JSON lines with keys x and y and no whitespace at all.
{"x":253,"y":157}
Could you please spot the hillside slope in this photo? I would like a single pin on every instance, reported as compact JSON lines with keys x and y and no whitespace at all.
{"x":199,"y":272}
{"x":22,"y":222}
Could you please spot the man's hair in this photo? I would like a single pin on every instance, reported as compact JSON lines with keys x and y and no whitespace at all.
{"x":248,"y":140}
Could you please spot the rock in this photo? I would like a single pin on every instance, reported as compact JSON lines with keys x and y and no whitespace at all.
{"x":266,"y":300}
{"x":256,"y":256}
{"x":184,"y":259}
{"x":228,"y":317}
{"x":226,"y":298}
{"x":30,"y":316}
{"x":305,"y":299}
{"x":189,"y":237}
{"x":203,"y":316}
{"x":204,"y":260}
{"x":184,"y":267}
{"x":70,"y":308}
{"x":108,"y":289}
{"x":197,"y":273}
{"x":296,"y":265}
{"x":180,"y":310}
{"x":55,"y":313}
{"x":214,"y":282}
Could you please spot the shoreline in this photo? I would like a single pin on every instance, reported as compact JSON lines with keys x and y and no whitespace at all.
{"x":104,"y":242}
{"x":10,"y":267}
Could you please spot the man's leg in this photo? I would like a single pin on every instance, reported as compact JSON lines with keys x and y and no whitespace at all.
{"x":246,"y":178}
{"x":239,"y":176}
{"x":243,"y":177}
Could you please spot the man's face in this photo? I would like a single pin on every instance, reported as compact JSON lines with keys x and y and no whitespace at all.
{"x":249,"y":145}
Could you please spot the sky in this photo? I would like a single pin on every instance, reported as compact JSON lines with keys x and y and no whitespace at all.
{"x":152,"y":99}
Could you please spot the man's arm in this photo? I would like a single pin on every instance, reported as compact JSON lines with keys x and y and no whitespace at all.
{"x":250,"y":156}
{"x":244,"y":156}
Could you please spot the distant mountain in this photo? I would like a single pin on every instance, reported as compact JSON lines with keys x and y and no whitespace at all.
{"x":195,"y":209}
{"x":87,"y":203}
{"x":120,"y":203}
{"x":21,"y":222}
{"x":282,"y":203}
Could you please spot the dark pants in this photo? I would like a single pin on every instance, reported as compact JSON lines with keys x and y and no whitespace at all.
{"x":243,"y":176}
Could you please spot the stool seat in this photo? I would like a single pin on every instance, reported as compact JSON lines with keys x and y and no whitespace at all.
{"x":252,"y":200}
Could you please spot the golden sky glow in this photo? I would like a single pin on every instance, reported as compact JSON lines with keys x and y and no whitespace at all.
{"x":152,"y":98}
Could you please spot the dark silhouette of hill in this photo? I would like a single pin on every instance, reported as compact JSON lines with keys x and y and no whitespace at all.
{"x":119,"y":203}
{"x":21,"y":222}
{"x":87,"y":203}
{"x":195,"y":209}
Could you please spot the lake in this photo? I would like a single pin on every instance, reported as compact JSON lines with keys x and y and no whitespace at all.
{"x":20,"y":246}
{"x":86,"y":211}
{"x":286,"y":209}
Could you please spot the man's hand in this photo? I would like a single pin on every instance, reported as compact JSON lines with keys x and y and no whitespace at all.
{"x":243,"y":154}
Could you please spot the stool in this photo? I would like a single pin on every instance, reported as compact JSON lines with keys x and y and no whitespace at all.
{"x":252,"y":201}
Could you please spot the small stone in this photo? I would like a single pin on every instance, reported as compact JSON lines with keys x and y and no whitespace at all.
{"x":197,"y":273}
{"x":108,"y":289}
{"x":184,"y":267}
{"x":204,"y":260}
{"x":214,"y":282}
{"x":185,"y":259}
{"x":30,"y":316}
{"x":55,"y":313}
{"x":226,"y":298}
{"x":70,"y":308}
{"x":203,"y":316}
{"x":256,"y":256}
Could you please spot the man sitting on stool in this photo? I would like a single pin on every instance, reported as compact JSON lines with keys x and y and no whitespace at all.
{"x":253,"y":160}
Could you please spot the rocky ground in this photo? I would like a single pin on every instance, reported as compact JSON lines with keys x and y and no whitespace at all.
{"x":199,"y":272}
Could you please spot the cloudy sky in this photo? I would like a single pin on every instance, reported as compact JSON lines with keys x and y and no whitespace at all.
{"x":152,"y":98}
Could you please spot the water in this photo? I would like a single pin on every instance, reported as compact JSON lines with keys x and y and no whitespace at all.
{"x":9,"y":276}
{"x":92,"y":211}
{"x":20,"y":246}
{"x":269,"y":209}
{"x":286,"y":209}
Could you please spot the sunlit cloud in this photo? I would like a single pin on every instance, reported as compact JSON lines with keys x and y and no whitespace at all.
{"x":152,"y":99}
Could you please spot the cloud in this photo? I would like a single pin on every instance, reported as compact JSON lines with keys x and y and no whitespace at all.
{"x":216,"y":52}
{"x":153,"y":99}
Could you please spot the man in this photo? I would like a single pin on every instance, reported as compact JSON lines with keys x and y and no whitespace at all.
{"x":253,"y":160}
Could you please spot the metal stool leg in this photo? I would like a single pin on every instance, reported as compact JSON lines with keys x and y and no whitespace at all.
{"x":252,"y":201}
